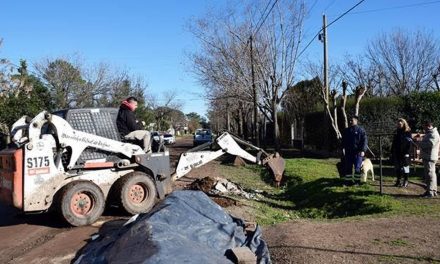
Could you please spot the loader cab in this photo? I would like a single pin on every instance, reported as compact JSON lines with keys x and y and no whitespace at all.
{"x":100,"y":122}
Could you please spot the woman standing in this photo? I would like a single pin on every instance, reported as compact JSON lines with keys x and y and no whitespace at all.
{"x":400,"y":152}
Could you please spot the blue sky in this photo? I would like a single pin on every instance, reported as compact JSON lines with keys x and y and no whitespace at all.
{"x":148,"y":38}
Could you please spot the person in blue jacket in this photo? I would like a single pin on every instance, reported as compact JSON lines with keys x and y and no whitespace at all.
{"x":354,"y":146}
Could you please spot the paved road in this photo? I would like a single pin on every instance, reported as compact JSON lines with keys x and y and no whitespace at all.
{"x":43,"y":238}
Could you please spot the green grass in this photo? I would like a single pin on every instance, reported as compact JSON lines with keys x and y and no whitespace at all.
{"x":398,"y":243}
{"x":314,"y":190}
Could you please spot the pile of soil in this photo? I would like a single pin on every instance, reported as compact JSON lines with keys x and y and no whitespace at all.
{"x":224,"y":201}
{"x":205,"y":184}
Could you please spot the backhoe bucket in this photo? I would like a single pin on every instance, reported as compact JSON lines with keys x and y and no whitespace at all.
{"x":276,"y":165}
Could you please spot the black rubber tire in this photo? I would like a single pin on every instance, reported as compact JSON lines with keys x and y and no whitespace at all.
{"x":124,"y":191}
{"x":85,"y":188}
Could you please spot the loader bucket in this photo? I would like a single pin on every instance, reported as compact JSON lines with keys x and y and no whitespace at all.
{"x":276,"y":165}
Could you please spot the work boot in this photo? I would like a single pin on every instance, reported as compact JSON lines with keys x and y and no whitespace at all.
{"x":428,"y":195}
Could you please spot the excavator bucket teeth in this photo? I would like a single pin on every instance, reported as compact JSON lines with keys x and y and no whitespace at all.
{"x":277,"y":165}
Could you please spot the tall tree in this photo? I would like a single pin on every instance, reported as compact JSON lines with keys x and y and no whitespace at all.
{"x":406,"y":60}
{"x":224,"y":63}
{"x":64,"y":81}
{"x":24,"y":95}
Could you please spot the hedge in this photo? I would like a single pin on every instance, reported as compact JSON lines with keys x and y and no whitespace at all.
{"x":378,"y":115}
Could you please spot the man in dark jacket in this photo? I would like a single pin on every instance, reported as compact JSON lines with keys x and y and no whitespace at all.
{"x":354,"y":144}
{"x":128,"y":126}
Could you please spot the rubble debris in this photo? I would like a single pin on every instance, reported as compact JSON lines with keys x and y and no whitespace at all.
{"x":242,"y":255}
{"x":250,"y":226}
{"x":220,"y":186}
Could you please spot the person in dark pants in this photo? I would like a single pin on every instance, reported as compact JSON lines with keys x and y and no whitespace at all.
{"x":354,"y":146}
{"x":400,"y":152}
{"x":129,"y":127}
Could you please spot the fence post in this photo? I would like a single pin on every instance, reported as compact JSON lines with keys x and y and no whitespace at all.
{"x":380,"y":163}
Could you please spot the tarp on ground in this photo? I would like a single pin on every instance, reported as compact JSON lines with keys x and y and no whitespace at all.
{"x":186,"y":227}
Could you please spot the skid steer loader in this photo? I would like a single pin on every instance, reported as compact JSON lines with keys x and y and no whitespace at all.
{"x":52,"y":165}
{"x":75,"y":162}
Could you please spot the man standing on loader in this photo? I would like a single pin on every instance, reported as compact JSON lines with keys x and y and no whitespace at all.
{"x":129,"y":128}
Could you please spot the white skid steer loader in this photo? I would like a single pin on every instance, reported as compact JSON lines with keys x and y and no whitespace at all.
{"x":53,"y":166}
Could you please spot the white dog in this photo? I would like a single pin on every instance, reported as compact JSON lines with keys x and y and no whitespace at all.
{"x":365,"y":168}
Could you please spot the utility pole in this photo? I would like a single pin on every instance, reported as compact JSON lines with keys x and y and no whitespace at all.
{"x":323,"y":39}
{"x":324,"y":32}
{"x":254,"y":90}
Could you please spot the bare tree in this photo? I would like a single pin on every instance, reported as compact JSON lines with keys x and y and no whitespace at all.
{"x":224,"y":62}
{"x":330,"y":104}
{"x":167,"y":112}
{"x":360,"y":71}
{"x":406,"y":60}
{"x":277,"y":46}
{"x":223,"y":67}
{"x":339,"y":90}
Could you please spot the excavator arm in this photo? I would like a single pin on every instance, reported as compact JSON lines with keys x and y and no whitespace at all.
{"x":228,"y":143}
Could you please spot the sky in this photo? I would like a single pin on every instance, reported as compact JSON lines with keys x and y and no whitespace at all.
{"x":149,"y":38}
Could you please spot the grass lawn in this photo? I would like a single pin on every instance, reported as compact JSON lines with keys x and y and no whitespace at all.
{"x":314,"y":190}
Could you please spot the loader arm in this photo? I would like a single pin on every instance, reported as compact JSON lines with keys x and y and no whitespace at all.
{"x":228,"y":143}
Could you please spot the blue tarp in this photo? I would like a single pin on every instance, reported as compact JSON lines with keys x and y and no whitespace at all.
{"x":186,"y":227}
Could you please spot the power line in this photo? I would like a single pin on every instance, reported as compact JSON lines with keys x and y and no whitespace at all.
{"x":339,"y":17}
{"x":313,"y":5}
{"x":261,"y":24}
{"x":395,"y":7}
{"x":345,"y":13}
{"x":264,"y":20}
{"x":264,"y":11}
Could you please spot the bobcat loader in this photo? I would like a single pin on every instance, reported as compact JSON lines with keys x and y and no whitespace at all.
{"x":54,"y":166}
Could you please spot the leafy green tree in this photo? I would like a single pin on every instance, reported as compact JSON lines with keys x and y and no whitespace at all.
{"x":30,"y":98}
{"x":64,"y":81}
{"x":196,"y":121}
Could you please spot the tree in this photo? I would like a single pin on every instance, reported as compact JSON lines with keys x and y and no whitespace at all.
{"x":64,"y":81}
{"x":193,"y":121}
{"x":360,"y":71}
{"x":302,"y":98}
{"x":166,"y":113}
{"x":25,"y":95}
{"x":224,"y":63}
{"x":406,"y":61}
